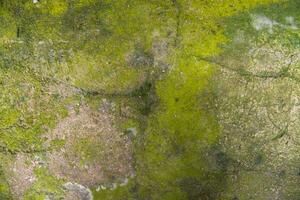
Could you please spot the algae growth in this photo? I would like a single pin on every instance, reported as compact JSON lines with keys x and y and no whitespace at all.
{"x":149,"y":99}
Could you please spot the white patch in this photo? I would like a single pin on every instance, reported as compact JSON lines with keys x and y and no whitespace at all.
{"x":291,"y":22}
{"x":84,"y":192}
{"x":114,"y":186}
{"x":125,"y":182}
{"x":260,"y":22}
{"x":35,"y":1}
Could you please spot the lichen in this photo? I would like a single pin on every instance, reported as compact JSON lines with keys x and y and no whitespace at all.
{"x":77,"y":78}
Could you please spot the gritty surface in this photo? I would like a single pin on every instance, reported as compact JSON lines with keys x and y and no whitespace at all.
{"x":94,"y":151}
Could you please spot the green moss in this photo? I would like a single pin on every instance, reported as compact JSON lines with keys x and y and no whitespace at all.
{"x":88,"y":150}
{"x":281,"y":38}
{"x":94,"y":102}
{"x":45,"y":186}
{"x":57,"y":144}
{"x":182,"y":129}
{"x":249,"y":182}
{"x":129,"y":124}
{"x":26,"y":111}
{"x":277,"y":12}
{"x":5,"y":193}
{"x":98,"y":76}
{"x":88,"y":44}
